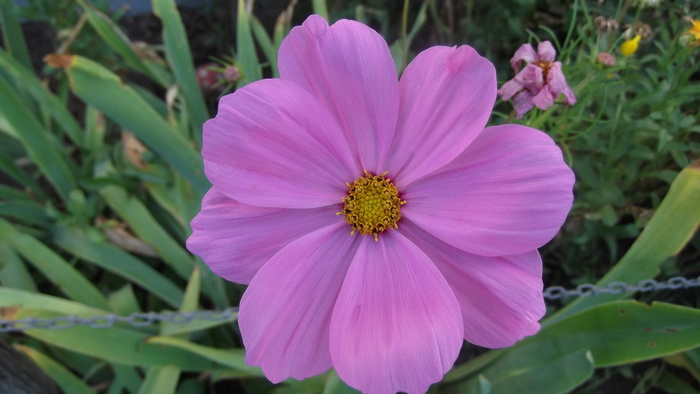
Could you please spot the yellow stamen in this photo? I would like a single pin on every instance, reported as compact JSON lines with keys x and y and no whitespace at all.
{"x":545,"y":66}
{"x":372,"y":205}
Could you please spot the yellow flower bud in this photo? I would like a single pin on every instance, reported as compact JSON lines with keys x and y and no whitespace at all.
{"x":630,"y":46}
{"x":695,"y":31}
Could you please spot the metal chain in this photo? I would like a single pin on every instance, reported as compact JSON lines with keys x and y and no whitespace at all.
{"x":150,"y":318}
{"x":645,"y":286}
{"x":138,"y":319}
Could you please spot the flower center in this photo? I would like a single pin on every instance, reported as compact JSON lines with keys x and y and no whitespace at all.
{"x":372,"y":205}
{"x":545,"y":66}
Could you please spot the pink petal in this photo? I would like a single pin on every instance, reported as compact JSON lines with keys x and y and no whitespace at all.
{"x":525,"y":53}
{"x":396,"y":325}
{"x":531,"y":78}
{"x":236,"y":239}
{"x":510,"y":89}
{"x":522,"y":103}
{"x":544,"y":99}
{"x":557,"y":81}
{"x":273,"y":144}
{"x":546,"y":52}
{"x":286,"y":311}
{"x":349,"y":68}
{"x":447,"y":95}
{"x":500,"y":297}
{"x":508,"y":193}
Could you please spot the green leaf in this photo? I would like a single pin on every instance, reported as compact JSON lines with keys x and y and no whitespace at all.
{"x":53,"y":105}
{"x":247,"y":54}
{"x":102,"y":89}
{"x":123,"y":301}
{"x":94,"y":130}
{"x":148,"y":229}
{"x":126,"y":377}
{"x":320,"y":8}
{"x":161,"y":380}
{"x":30,"y":300}
{"x":10,"y":169}
{"x":65,"y":379}
{"x":269,"y":49}
{"x":26,"y":211}
{"x":154,"y":101}
{"x":673,"y":224}
{"x":177,"y":51}
{"x":55,"y":269}
{"x":234,"y":358}
{"x":552,"y":375}
{"x":117,"y":261}
{"x":13,"y":193}
{"x":175,"y":197}
{"x":311,"y":385}
{"x":669,"y":382}
{"x":474,"y":365}
{"x":41,"y":147}
{"x":115,"y":38}
{"x":688,"y":360}
{"x":476,"y":385}
{"x":13,"y":38}
{"x":194,"y":325}
{"x":191,"y":299}
{"x":189,"y":303}
{"x":334,"y":385}
{"x":13,"y":271}
{"x":615,"y":333}
{"x":627,"y":331}
{"x":115,"y":344}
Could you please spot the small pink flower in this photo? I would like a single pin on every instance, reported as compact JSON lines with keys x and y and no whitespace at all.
{"x":606,"y":59}
{"x":539,"y":83}
{"x":447,"y":215}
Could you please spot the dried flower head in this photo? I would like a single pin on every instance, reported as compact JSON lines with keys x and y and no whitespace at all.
{"x":606,"y":59}
{"x":605,"y":25}
{"x":640,"y":29}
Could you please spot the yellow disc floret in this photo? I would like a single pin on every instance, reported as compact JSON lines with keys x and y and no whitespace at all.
{"x":372,"y":205}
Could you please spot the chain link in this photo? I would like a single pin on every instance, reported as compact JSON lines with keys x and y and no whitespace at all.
{"x":105,"y":321}
{"x":645,"y":286}
{"x":147,"y":319}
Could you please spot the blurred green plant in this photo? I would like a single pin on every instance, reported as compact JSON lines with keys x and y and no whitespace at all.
{"x":95,"y":202}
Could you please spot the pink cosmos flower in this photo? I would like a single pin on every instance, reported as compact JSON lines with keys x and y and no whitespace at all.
{"x":539,"y":83}
{"x":377,"y":221}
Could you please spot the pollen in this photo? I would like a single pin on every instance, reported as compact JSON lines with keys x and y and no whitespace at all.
{"x":372,"y":205}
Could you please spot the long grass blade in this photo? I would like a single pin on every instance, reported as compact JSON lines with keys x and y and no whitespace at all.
{"x":105,"y":91}
{"x":43,"y":149}
{"x":177,"y":51}
{"x":68,"y":279}
{"x":117,"y":261}
{"x":13,"y":37}
{"x":46,"y":100}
